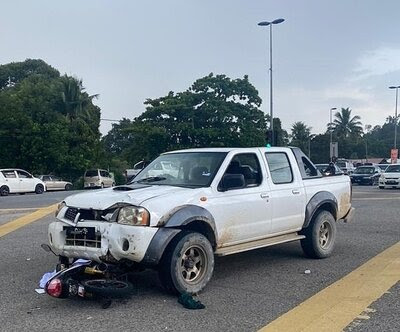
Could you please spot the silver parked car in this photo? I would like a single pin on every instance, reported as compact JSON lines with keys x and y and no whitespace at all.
{"x":55,"y":183}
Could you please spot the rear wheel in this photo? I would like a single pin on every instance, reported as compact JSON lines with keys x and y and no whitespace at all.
{"x":187,"y":264}
{"x":320,"y":236}
{"x":68,"y":186}
{"x":4,"y":191}
{"x":108,"y":288}
{"x":39,"y":189}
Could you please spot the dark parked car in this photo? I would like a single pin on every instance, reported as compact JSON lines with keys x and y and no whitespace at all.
{"x":366,"y":175}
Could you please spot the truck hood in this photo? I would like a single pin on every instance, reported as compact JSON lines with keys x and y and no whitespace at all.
{"x":134,"y":194}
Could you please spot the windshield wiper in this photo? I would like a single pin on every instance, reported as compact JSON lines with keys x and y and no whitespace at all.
{"x":152,"y":179}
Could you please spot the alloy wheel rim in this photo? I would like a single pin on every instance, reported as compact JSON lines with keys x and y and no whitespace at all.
{"x":193,"y":264}
{"x":325,"y":232}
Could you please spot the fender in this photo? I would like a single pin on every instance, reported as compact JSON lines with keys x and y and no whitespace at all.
{"x":320,"y":198}
{"x":172,"y":224}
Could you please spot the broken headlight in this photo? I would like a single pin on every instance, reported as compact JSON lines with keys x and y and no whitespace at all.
{"x":133,"y":215}
{"x":59,"y":207}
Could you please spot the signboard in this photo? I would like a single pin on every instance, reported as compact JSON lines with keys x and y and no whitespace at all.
{"x":333,"y":152}
{"x":394,"y":154}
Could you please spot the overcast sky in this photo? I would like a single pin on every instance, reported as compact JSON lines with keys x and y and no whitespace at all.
{"x":327,"y":54}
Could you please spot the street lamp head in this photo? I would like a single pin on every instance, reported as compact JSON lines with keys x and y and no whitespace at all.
{"x":265,"y":23}
{"x":277,"y":21}
{"x":333,"y":108}
{"x":394,"y":87}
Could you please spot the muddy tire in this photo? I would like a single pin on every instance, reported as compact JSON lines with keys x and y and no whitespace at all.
{"x":4,"y":191}
{"x":320,"y":236}
{"x":39,"y":189}
{"x":108,"y":288}
{"x":187,"y":264}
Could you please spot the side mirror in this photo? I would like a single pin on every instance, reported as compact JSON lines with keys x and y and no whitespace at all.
{"x":232,"y":181}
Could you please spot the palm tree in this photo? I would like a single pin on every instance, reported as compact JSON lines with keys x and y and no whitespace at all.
{"x":344,"y":125}
{"x":300,"y":135}
{"x":74,"y":97}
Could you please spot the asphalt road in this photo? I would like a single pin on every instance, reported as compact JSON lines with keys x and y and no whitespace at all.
{"x":247,"y":290}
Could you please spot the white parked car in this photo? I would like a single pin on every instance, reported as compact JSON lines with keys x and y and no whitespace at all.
{"x":390,"y":178}
{"x":98,"y":178}
{"x":55,"y":183}
{"x":346,"y":166}
{"x":19,"y":181}
{"x":216,"y":201}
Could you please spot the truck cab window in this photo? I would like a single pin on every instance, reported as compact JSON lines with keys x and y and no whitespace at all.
{"x":279,"y":167}
{"x":246,"y":164}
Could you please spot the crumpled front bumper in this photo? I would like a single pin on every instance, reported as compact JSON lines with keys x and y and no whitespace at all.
{"x":119,"y":241}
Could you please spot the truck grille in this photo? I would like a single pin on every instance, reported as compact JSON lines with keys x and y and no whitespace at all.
{"x":71,"y":213}
{"x":82,"y":237}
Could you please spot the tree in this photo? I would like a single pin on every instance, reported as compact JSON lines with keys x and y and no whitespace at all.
{"x":36,"y":132}
{"x":300,"y":135}
{"x":345,"y":126}
{"x":214,"y":111}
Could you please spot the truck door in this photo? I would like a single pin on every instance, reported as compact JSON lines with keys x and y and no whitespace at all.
{"x":243,"y":214}
{"x":287,"y":192}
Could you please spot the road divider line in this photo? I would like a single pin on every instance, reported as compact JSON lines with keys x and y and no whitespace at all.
{"x":15,"y":224}
{"x":18,"y":209}
{"x":375,"y":198}
{"x":336,"y":306}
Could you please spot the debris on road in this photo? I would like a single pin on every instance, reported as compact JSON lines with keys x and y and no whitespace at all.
{"x":307,"y":271}
{"x":189,"y":302}
{"x":40,"y":290}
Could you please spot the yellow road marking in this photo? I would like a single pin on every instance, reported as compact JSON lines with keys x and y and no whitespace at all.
{"x":336,"y":306}
{"x":13,"y":225}
{"x":18,"y":209}
{"x":375,"y":198}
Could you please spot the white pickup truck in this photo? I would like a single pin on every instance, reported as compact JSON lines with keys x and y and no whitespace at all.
{"x":214,"y":201}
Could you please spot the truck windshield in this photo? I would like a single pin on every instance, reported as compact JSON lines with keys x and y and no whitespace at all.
{"x":186,"y":169}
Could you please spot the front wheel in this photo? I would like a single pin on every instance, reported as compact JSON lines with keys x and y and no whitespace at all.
{"x":187,"y":264}
{"x":39,"y":189}
{"x":320,"y":236}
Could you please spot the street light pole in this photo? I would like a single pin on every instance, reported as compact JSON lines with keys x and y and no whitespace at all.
{"x":395,"y":114}
{"x":266,"y":23}
{"x":330,"y":130}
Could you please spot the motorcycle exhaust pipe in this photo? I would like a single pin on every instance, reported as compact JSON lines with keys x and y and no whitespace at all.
{"x":102,"y":267}
{"x":98,"y":269}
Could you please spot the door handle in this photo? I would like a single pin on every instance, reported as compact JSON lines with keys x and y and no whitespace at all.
{"x":295,"y":192}
{"x":264,"y":195}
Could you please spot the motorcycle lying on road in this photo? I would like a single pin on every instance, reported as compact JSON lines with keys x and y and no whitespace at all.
{"x":87,"y":279}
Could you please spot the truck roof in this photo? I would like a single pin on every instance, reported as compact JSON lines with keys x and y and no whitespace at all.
{"x":271,"y":149}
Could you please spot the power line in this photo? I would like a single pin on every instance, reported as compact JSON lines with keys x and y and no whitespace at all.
{"x":111,"y":120}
